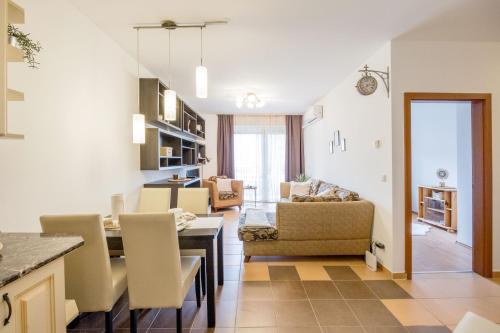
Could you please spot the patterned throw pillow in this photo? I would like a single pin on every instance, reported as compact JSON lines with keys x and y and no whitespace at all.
{"x":214,"y":178}
{"x":312,"y":198}
{"x":315,"y":183}
{"x":326,"y":189}
{"x":347,"y":195}
{"x":226,"y":195}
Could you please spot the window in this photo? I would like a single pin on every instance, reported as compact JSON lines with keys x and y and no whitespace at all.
{"x":259,"y":154}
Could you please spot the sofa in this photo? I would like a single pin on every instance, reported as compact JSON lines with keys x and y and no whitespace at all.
{"x":311,"y":228}
{"x":218,"y":201}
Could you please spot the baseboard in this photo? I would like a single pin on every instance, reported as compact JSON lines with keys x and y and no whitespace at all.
{"x":394,"y":276}
{"x":496,"y":275}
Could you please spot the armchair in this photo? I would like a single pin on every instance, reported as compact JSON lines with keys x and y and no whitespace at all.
{"x":217,"y":203}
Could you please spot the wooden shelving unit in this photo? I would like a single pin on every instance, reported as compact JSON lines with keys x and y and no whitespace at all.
{"x":10,"y":13}
{"x":438,"y":206}
{"x":185,"y":135}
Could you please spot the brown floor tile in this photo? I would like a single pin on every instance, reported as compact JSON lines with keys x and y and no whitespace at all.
{"x":255,"y":314}
{"x":410,"y":312}
{"x":208,"y":330}
{"x":256,"y":330}
{"x":225,"y":315}
{"x":166,"y":318}
{"x":321,"y":290}
{"x":283,"y":273}
{"x":386,"y":329}
{"x":255,"y":291}
{"x":354,"y":290}
{"x":288,"y":290}
{"x":299,"y":329}
{"x":372,"y":313}
{"x":294,"y":314}
{"x":343,"y":329}
{"x":144,"y":318}
{"x":341,"y":273}
{"x":428,"y":329}
{"x":387,"y":289}
{"x":227,"y":292}
{"x":334,"y":313}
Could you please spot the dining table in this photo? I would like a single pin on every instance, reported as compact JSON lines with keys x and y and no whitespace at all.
{"x":202,"y":236}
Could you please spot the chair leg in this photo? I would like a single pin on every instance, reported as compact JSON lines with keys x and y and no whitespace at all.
{"x":108,"y":315}
{"x":179,"y":320}
{"x":197,"y":282}
{"x":133,"y":321}
{"x":203,"y":276}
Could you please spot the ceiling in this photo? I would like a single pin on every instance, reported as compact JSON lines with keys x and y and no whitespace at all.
{"x":289,"y":52}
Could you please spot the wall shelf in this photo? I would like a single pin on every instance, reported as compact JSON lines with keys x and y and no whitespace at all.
{"x":14,"y":54}
{"x":14,"y":95}
{"x":15,"y":13}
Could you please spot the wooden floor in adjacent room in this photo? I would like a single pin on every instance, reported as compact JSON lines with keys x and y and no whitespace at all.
{"x":438,"y":251}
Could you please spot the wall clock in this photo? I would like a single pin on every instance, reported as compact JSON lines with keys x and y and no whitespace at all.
{"x":367,"y":85}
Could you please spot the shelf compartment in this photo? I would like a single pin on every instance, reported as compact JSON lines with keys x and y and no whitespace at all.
{"x":15,"y":13}
{"x":14,"y":95}
{"x":12,"y":136}
{"x":14,"y":54}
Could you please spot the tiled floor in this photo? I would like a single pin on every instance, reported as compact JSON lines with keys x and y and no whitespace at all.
{"x":318,"y":295}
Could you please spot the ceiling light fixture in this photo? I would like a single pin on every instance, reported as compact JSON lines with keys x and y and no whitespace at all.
{"x":249,"y":100}
{"x":138,"y":120}
{"x":170,"y":94}
{"x":201,"y":73}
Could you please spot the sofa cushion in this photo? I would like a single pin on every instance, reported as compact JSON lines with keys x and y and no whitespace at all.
{"x":323,"y":187}
{"x":224,"y":185}
{"x":315,"y":183}
{"x":315,"y":198}
{"x":347,"y":195}
{"x":226,"y":195}
{"x":253,"y":233}
{"x":300,"y":188}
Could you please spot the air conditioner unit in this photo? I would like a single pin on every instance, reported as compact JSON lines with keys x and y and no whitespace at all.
{"x":314,"y":114}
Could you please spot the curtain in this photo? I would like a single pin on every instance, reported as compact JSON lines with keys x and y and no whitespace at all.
{"x":259,"y":153}
{"x":294,"y":157}
{"x":225,"y":145}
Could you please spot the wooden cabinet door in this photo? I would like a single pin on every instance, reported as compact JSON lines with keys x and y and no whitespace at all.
{"x":35,"y":308}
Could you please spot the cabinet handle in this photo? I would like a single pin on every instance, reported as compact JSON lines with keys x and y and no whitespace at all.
{"x":6,"y":299}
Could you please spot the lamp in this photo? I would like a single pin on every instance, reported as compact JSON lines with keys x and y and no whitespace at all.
{"x":138,"y":128}
{"x":138,"y":120}
{"x":170,"y":94}
{"x":250,"y":100}
{"x":201,"y":73}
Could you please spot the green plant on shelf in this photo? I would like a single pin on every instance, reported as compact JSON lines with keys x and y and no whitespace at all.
{"x":302,"y":178}
{"x":29,"y":47}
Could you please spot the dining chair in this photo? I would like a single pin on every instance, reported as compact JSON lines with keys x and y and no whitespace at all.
{"x":195,"y":200}
{"x":154,"y":200}
{"x":158,"y":277}
{"x":92,"y":279}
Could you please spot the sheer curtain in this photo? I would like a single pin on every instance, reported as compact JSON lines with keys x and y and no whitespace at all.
{"x":259,"y":154}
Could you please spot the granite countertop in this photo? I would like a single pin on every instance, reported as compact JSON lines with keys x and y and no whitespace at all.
{"x":24,"y":252}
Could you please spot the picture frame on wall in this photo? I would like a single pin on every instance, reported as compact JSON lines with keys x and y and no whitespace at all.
{"x":336,"y":138}
{"x":344,"y":145}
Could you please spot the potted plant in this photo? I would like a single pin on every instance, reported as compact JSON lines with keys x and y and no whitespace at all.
{"x":22,"y":40}
{"x":301,"y":178}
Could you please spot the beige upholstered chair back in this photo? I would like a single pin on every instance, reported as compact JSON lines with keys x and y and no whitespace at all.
{"x":154,"y":200}
{"x":87,"y":269}
{"x":194,"y":200}
{"x":153,"y":260}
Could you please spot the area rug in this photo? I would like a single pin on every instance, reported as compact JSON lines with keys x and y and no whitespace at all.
{"x":419,"y":229}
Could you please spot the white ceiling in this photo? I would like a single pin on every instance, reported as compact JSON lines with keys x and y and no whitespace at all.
{"x":289,"y":52}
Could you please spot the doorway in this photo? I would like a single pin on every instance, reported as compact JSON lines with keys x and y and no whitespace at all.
{"x":481,"y":192}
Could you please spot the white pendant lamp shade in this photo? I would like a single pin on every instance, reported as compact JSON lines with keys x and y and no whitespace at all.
{"x":170,"y":105}
{"x":138,"y":128}
{"x":201,"y":82}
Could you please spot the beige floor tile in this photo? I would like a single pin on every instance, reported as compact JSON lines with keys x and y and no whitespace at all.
{"x":312,"y":271}
{"x":256,"y":330}
{"x":231,"y":273}
{"x":450,"y":311}
{"x":450,"y":288}
{"x":232,"y":260}
{"x":410,"y":312}
{"x":227,"y":292}
{"x":365,"y":274}
{"x":225,"y":315}
{"x":446,"y":275}
{"x":206,"y":330}
{"x":254,"y":272}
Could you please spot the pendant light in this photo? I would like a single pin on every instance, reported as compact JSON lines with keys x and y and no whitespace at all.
{"x":138,"y":120}
{"x":170,"y":94}
{"x":201,"y":73}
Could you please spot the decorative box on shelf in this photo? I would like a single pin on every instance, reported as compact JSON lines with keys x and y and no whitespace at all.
{"x":166,"y":151}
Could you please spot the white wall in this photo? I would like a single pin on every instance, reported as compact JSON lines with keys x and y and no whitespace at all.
{"x":419,"y":66}
{"x":464,"y":176}
{"x":77,"y":121}
{"x":361,"y":120}
{"x":434,"y":144}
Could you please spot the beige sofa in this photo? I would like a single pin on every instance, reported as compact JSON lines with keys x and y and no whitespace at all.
{"x":312,"y":228}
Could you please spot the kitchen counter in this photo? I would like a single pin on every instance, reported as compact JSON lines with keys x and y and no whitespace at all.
{"x":23,"y":253}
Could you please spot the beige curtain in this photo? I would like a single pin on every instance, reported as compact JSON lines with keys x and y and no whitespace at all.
{"x":294,"y":152}
{"x":225,"y":145}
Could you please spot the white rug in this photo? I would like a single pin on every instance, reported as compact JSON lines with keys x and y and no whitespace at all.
{"x":419,"y":229}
